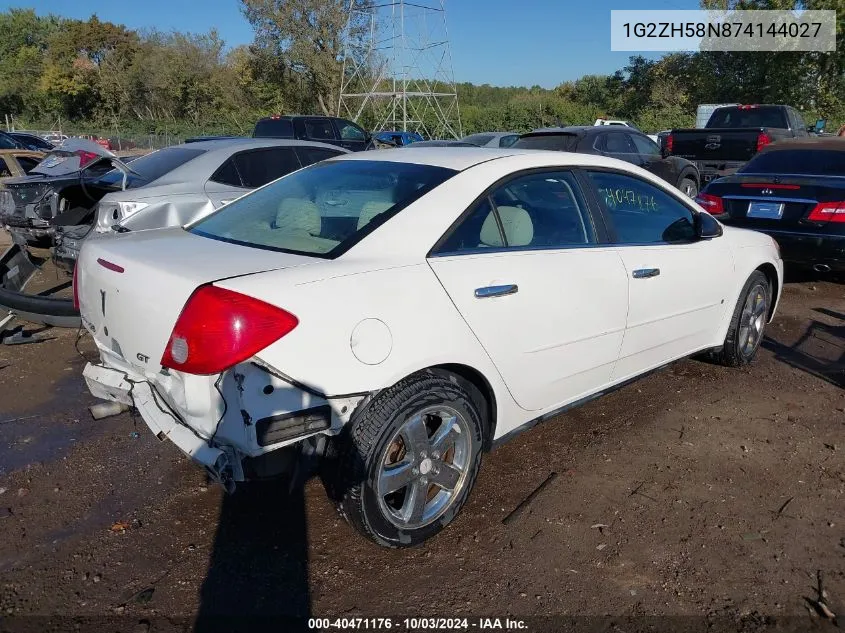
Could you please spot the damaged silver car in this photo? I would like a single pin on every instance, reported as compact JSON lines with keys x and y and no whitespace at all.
{"x":82,"y":189}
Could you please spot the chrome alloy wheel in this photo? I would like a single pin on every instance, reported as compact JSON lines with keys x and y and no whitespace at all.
{"x":752,"y":320}
{"x":424,"y":467}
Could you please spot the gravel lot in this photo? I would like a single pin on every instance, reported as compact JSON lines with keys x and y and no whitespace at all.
{"x":699,"y":491}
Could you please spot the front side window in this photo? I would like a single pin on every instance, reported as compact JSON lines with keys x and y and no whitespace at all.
{"x":323,"y":209}
{"x":349,"y":131}
{"x":540,"y":210}
{"x":507,"y":141}
{"x":645,"y":145}
{"x":640,"y":212}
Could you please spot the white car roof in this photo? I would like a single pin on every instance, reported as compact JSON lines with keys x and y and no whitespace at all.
{"x":460,"y":158}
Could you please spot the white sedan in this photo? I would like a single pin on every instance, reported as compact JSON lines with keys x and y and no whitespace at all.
{"x":400,"y":313}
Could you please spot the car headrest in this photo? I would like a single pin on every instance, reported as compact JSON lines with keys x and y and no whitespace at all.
{"x":371,"y":210}
{"x":298,"y":214}
{"x":517,"y":225}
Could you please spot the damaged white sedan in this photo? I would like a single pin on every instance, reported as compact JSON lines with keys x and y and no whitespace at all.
{"x":399,"y":313}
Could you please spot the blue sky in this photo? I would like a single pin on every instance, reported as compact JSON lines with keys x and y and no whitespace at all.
{"x":500,"y":42}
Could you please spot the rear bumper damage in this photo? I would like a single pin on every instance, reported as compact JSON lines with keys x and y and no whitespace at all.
{"x":262,"y":417}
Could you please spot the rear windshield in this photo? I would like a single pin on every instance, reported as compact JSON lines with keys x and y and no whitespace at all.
{"x":814,"y":162}
{"x":151,"y":167}
{"x":323,"y":209}
{"x":557,"y":142}
{"x":273,"y":128}
{"x":767,"y":116}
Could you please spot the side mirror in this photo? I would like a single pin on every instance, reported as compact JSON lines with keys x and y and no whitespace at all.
{"x":706,"y":226}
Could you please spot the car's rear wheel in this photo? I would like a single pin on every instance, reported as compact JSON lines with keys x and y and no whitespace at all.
{"x":689,"y":186}
{"x":748,"y":323}
{"x":410,"y":459}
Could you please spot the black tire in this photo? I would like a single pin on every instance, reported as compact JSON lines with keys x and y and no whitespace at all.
{"x":363,"y":447}
{"x":735,"y":352}
{"x":688,"y":186}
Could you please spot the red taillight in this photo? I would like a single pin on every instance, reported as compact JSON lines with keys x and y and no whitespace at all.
{"x":76,"y":287}
{"x":110,"y":265}
{"x":669,"y":143}
{"x":220,"y":328}
{"x":828,"y":212}
{"x":85,"y":157}
{"x":710,"y":203}
{"x":746,"y":107}
{"x":763,"y":139}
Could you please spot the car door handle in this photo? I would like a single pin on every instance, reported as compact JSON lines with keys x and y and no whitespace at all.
{"x":496,"y":291}
{"x":645,"y":273}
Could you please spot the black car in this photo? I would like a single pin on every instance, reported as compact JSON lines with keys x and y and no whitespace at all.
{"x":32,"y":141}
{"x":324,"y":129}
{"x":793,"y":191}
{"x":7,"y":141}
{"x":619,"y":142}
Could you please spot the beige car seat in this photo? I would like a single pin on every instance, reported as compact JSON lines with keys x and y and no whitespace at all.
{"x":516,"y":223}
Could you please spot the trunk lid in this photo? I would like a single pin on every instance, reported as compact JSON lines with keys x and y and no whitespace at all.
{"x":798,"y":195}
{"x":132,"y":287}
{"x":719,"y":144}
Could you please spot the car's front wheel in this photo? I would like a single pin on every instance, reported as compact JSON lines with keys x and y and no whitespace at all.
{"x":410,"y":459}
{"x":748,"y":322}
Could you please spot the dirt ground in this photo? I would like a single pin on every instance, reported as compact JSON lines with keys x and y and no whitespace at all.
{"x":710,"y":494}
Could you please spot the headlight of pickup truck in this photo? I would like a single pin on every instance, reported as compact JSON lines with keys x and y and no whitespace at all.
{"x":111,"y":213}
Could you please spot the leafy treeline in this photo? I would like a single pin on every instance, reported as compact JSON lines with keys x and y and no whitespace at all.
{"x":98,"y":76}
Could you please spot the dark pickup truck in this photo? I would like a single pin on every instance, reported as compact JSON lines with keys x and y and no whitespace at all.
{"x":733,"y":135}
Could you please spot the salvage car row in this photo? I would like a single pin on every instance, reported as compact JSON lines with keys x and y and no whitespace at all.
{"x":397,"y":313}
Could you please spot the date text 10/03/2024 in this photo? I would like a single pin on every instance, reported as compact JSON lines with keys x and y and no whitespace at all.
{"x":419,"y":624}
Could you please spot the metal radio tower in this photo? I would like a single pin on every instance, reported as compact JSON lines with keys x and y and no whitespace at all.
{"x":397,"y":68}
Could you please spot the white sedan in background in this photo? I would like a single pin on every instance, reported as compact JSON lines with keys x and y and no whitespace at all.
{"x":399,"y":313}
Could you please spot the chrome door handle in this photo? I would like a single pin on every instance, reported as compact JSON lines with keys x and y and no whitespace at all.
{"x":645,"y":273}
{"x":496,"y":291}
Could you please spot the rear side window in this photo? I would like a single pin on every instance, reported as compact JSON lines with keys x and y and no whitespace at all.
{"x":5,"y":172}
{"x":507,"y":141}
{"x":558,"y":142}
{"x":618,"y":143}
{"x":766,"y":116}
{"x":814,"y":162}
{"x":311,"y":155}
{"x":227,"y":174}
{"x":273,"y":128}
{"x":541,"y":210}
{"x":640,"y":212}
{"x":259,"y":167}
{"x":319,"y":129}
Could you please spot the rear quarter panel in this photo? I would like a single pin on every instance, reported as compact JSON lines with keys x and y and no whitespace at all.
{"x":364,"y":326}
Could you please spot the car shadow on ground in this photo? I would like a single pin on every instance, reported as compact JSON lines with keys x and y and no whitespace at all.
{"x":820,"y":351}
{"x":258,"y":569}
